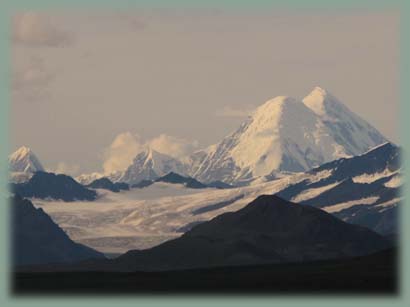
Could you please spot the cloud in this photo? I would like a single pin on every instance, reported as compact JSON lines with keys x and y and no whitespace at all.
{"x":173,"y":146}
{"x":35,"y":29}
{"x":228,"y":111}
{"x":68,"y":169}
{"x":119,"y":155}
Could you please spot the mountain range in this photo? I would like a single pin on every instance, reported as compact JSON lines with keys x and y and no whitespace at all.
{"x":267,"y":144}
{"x":362,"y":190}
{"x":304,"y":183}
{"x":282,"y":135}
{"x":45,"y":185}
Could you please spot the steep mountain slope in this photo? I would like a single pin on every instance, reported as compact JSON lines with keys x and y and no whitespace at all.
{"x":23,"y":164}
{"x":48,"y":185}
{"x":268,"y":230}
{"x":36,"y":239}
{"x":150,"y":165}
{"x":286,"y":135}
{"x":364,"y":189}
{"x":347,"y":128}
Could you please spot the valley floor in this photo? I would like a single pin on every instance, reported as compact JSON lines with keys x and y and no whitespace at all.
{"x":376,"y":274}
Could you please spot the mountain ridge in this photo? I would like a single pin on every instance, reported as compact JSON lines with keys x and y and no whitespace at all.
{"x":283,"y":135}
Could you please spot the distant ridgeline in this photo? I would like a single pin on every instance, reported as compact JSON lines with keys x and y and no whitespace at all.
{"x":107,"y":184}
{"x":48,"y":185}
{"x":188,"y":182}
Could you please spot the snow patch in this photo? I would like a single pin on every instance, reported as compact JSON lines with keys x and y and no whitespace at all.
{"x":394,"y":182}
{"x":312,"y":193}
{"x":390,"y":203}
{"x":369,"y":178}
{"x":349,"y":204}
{"x":320,"y":176}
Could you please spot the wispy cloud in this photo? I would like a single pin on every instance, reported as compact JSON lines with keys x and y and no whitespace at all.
{"x":121,"y":152}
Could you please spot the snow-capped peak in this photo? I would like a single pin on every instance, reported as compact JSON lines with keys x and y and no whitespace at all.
{"x":20,"y":153}
{"x":272,"y":109}
{"x":150,"y":164}
{"x":320,"y":101}
{"x":23,"y":160}
{"x":349,"y":129}
{"x":287,"y":135}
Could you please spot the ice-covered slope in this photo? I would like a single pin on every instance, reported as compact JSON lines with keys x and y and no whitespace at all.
{"x":286,"y":135}
{"x":348,"y":129}
{"x":23,"y":163}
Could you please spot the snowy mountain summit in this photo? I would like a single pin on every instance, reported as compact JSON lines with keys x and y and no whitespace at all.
{"x":351,"y":131}
{"x":149,"y":165}
{"x":287,"y":135}
{"x":24,"y":160}
{"x":23,"y":163}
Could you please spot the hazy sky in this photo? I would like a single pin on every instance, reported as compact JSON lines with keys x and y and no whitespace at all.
{"x":181,"y":80}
